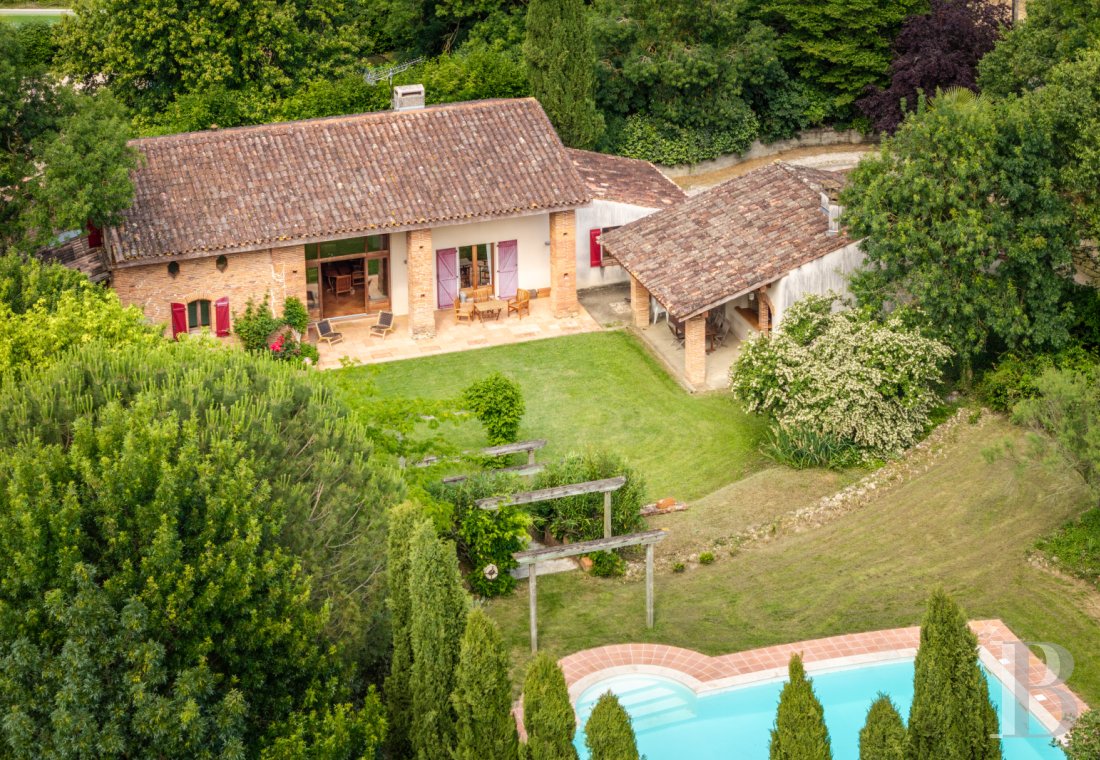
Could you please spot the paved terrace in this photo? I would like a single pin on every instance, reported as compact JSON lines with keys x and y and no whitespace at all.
{"x":450,"y":335}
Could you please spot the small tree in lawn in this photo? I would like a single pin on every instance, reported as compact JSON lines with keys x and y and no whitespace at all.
{"x":498,"y":403}
{"x":608,"y":733}
{"x":951,"y":717}
{"x":883,"y":735}
{"x":403,"y":521}
{"x":438,"y":616}
{"x":483,"y":694}
{"x":561,"y":66}
{"x":547,"y":712}
{"x":800,"y":732}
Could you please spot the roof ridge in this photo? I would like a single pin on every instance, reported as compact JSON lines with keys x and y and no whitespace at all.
{"x":199,"y":135}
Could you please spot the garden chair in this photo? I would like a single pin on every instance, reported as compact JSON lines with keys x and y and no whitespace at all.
{"x":344,"y":284}
{"x":327,"y":334}
{"x":464,"y":310}
{"x":384,"y":325}
{"x":520,"y":304}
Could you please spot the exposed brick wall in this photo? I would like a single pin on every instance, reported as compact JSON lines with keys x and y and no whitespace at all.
{"x":695,"y":351}
{"x":421,"y":283}
{"x":277,"y":273}
{"x":639,"y":302}
{"x":563,"y":263}
{"x":764,"y":309}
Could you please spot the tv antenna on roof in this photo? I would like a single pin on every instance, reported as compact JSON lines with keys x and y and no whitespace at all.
{"x":374,"y":76}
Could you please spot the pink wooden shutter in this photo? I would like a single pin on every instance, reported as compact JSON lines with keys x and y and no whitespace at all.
{"x":595,"y":250}
{"x":221,"y":317}
{"x":446,"y":277}
{"x":179,"y":319}
{"x":507,"y":268}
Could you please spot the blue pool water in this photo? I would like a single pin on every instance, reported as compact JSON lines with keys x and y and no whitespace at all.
{"x":671,"y":722}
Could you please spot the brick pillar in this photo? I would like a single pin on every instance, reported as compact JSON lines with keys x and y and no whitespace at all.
{"x":764,"y":311}
{"x":695,"y":351}
{"x":563,"y":264}
{"x":639,"y":303}
{"x":421,"y":285}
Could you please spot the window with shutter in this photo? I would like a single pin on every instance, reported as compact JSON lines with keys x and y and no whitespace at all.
{"x":198,"y":314}
{"x":221,"y":317}
{"x":179,"y":319}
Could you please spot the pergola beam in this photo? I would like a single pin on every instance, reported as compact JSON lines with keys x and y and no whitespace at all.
{"x":516,"y":469}
{"x":557,"y":492}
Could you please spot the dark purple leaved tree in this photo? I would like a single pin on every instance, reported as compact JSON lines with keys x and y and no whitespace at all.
{"x":936,"y":50}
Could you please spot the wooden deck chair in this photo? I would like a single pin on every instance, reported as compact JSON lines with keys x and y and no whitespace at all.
{"x":520,"y":304}
{"x":464,"y":310}
{"x":384,"y":325}
{"x":327,"y":334}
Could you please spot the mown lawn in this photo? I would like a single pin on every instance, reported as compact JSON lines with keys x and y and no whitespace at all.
{"x":967,"y":524}
{"x":598,"y":389}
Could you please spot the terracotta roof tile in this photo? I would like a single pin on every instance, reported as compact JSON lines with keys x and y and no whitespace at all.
{"x":730,"y":239}
{"x":203,"y":193}
{"x":75,"y":254}
{"x":626,"y":180}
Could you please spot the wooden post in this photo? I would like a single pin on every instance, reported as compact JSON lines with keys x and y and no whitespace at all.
{"x":607,"y":514}
{"x":530,"y":456}
{"x":533,"y":601}
{"x":648,"y":586}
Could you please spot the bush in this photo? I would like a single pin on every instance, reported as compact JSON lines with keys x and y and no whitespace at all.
{"x":883,"y":735}
{"x":580,"y":518}
{"x":295,"y":315}
{"x":803,"y":448}
{"x":652,"y":139}
{"x":679,"y":567}
{"x":706,"y":558}
{"x":607,"y":565}
{"x":1084,"y":737}
{"x":38,"y":41}
{"x":497,"y":401}
{"x":547,"y":712}
{"x":255,"y":325}
{"x":799,"y":732}
{"x":486,"y":537}
{"x":833,"y":380}
{"x":951,"y":714}
{"x":1016,"y":378}
{"x":608,"y":733}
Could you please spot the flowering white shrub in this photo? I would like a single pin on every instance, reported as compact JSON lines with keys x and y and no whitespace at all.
{"x":841,"y":377}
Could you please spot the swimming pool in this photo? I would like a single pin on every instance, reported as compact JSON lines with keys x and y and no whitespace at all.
{"x":672,"y":722}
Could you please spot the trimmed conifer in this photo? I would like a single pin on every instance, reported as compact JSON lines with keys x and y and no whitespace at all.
{"x":800,"y":732}
{"x":561,"y":66}
{"x":608,"y":733}
{"x":438,"y":608}
{"x":403,"y":520}
{"x":883,"y":735}
{"x":547,"y":713}
{"x":952,"y":717}
{"x":482,"y":698}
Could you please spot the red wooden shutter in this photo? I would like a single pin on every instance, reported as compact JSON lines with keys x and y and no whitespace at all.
{"x":95,"y":235}
{"x":595,"y":250}
{"x":179,"y":319}
{"x":221,"y":317}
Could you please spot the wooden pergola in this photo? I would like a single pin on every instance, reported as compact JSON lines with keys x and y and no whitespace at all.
{"x":531,"y":559}
{"x":606,"y":487}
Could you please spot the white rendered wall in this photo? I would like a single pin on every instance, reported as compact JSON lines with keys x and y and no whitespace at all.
{"x":399,"y":278}
{"x":829,"y":273}
{"x":597,"y":215}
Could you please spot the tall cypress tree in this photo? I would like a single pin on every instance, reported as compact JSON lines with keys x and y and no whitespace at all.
{"x":483,"y":694}
{"x":952,"y":717}
{"x":800,"y":732}
{"x":608,"y":733}
{"x":561,"y":66}
{"x":883,"y":735}
{"x":438,"y":607}
{"x":547,"y":713}
{"x":403,"y":520}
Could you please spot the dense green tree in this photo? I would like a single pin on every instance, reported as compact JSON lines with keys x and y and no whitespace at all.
{"x":403,"y":521}
{"x":883,"y":736}
{"x":561,"y":67}
{"x":799,"y":732}
{"x":547,"y":712}
{"x":962,"y":218}
{"x":1055,"y":31}
{"x":1084,"y":737}
{"x":608,"y":734}
{"x":149,"y":607}
{"x":325,"y":478}
{"x":839,"y":47}
{"x":951,"y":717}
{"x":483,"y":694}
{"x":438,"y":615}
{"x":152,"y":51}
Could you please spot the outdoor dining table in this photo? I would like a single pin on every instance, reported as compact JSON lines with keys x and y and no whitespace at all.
{"x":491,"y":309}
